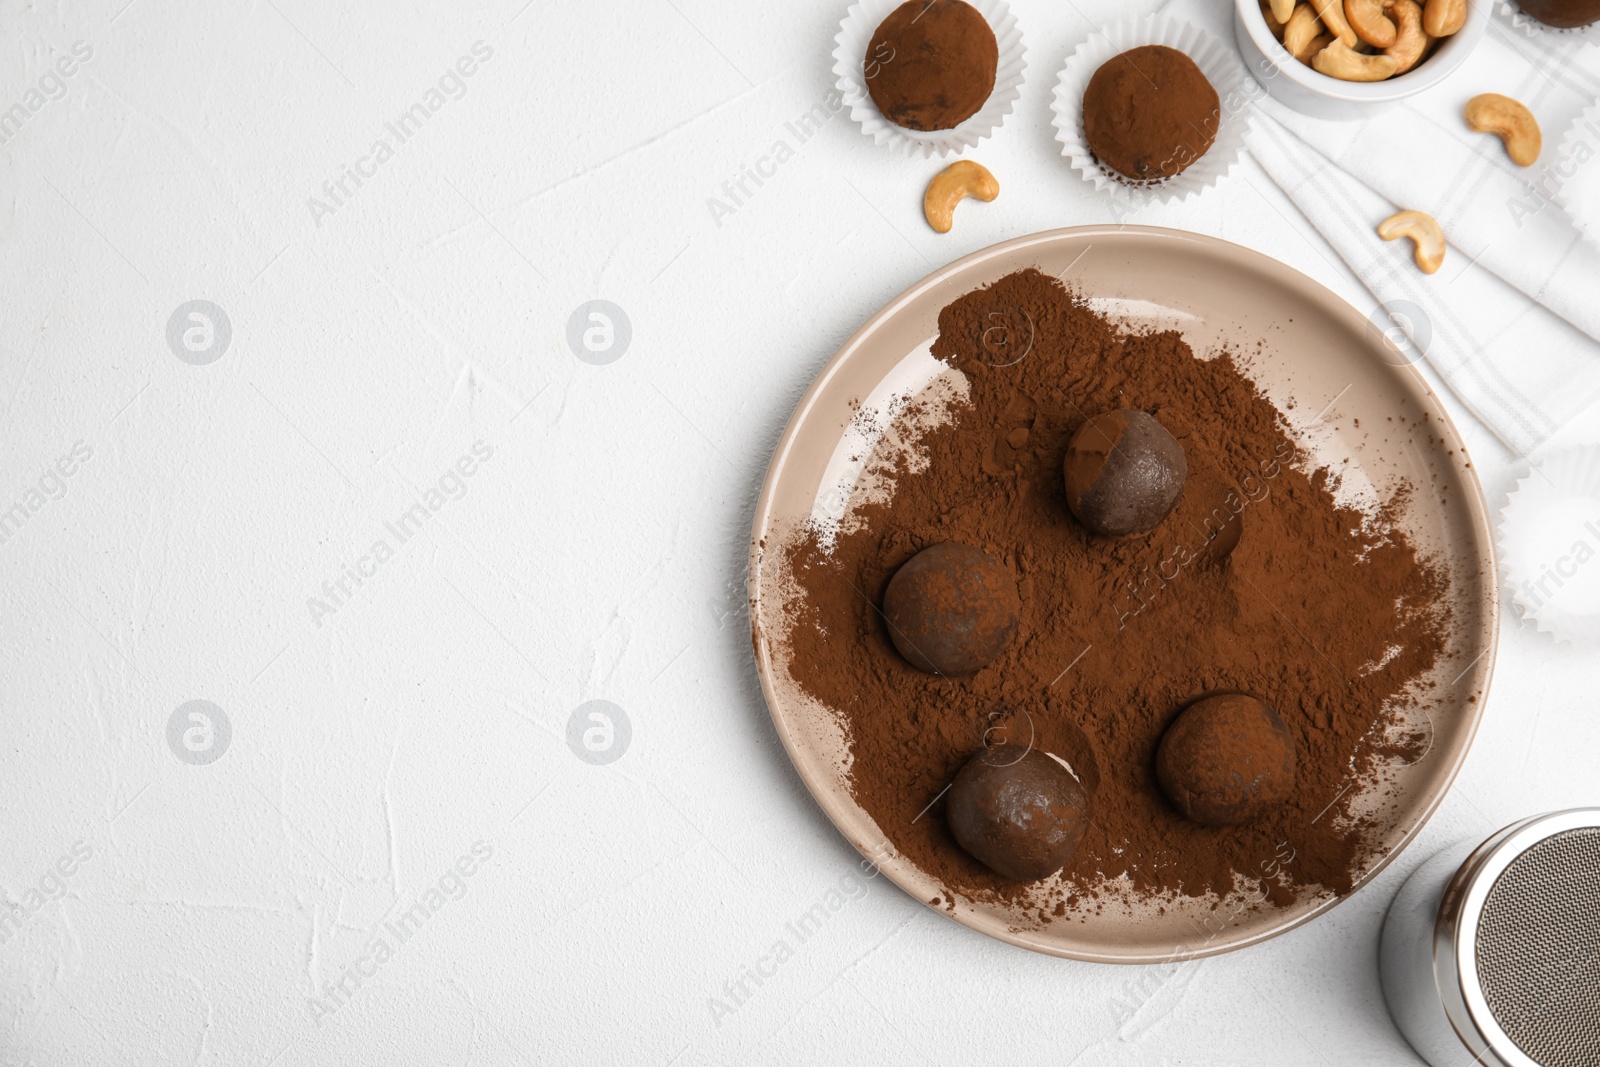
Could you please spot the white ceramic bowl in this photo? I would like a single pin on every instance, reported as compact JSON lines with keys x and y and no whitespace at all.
{"x":1293,"y":83}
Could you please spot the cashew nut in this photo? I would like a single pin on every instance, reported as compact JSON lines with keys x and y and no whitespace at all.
{"x":1272,"y":21}
{"x":1281,"y":9}
{"x":1509,"y":120}
{"x":1366,"y":17}
{"x":1422,"y":229}
{"x":1339,"y":61}
{"x":950,"y":186}
{"x":1301,"y":29}
{"x":1441,"y":18}
{"x":1410,"y":41}
{"x":1331,"y":12}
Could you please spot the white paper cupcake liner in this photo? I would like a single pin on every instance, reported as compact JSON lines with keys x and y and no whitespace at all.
{"x":1509,"y":14}
{"x":1549,"y":542}
{"x":850,"y":53}
{"x":1576,"y":165}
{"x":1220,"y":66}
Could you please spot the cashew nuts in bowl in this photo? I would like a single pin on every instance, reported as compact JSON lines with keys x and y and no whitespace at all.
{"x":1337,"y":61}
{"x":1301,"y":31}
{"x":1410,"y":40}
{"x":1331,"y":12}
{"x":1441,"y":18}
{"x":1371,"y":24}
{"x":1363,"y":40}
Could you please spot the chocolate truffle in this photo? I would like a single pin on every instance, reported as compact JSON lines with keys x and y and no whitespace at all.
{"x":1226,"y":759}
{"x":1149,"y":113}
{"x":1124,"y":473}
{"x":1218,"y":513}
{"x":1564,"y":14}
{"x":1018,"y":812}
{"x":931,"y":65}
{"x":952,"y":608}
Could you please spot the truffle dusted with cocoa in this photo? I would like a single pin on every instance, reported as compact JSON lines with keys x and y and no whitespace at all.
{"x":1149,"y":113}
{"x":1227,"y":759}
{"x":1124,"y":473}
{"x":952,"y":609}
{"x":1563,"y":14}
{"x":934,"y":64}
{"x":1217,"y":513}
{"x":1018,"y":812}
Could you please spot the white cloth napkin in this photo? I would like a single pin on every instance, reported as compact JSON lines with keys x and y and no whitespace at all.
{"x":1512,"y":322}
{"x":1523,"y":370}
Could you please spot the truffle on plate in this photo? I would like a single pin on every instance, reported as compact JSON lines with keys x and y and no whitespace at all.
{"x":1017,"y":811}
{"x":952,"y":609}
{"x":1227,"y":759}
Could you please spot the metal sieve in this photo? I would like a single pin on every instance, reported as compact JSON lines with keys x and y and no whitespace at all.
{"x":1491,"y":951}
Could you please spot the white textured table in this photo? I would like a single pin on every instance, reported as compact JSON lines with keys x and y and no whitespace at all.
{"x":391,"y":854}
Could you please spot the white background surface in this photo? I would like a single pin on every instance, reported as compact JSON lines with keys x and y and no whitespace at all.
{"x":598,"y":554}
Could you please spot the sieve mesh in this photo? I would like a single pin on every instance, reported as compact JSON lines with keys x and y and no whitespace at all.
{"x":1538,"y":950}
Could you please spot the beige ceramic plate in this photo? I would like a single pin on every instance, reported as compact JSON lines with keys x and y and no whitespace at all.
{"x":1318,"y":352}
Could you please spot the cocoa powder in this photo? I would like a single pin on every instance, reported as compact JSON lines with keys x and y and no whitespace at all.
{"x":1327,"y":613}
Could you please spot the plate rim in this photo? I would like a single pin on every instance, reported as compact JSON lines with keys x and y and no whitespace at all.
{"x":829,"y":799}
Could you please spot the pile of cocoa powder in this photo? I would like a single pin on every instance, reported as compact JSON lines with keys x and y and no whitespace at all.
{"x":1329,"y":614}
